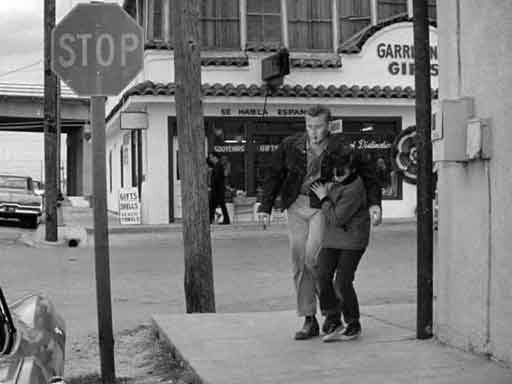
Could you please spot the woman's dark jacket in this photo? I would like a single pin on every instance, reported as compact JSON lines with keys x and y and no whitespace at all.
{"x":288,"y":168}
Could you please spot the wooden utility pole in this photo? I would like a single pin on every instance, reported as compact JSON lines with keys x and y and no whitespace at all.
{"x":50,"y":127}
{"x":424,"y":190}
{"x":199,"y":290}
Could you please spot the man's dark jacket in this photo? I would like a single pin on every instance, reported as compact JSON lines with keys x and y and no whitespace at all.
{"x":289,"y":164}
{"x":217,"y":182}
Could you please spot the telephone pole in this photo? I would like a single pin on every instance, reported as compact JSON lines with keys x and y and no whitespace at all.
{"x":199,"y":290}
{"x":50,"y":127}
{"x":424,"y":191}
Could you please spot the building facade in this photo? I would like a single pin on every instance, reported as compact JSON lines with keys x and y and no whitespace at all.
{"x":354,"y":56}
{"x":473,"y":289}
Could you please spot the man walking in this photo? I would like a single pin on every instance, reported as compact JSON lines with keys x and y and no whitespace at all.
{"x":299,"y":162}
{"x":217,"y":196}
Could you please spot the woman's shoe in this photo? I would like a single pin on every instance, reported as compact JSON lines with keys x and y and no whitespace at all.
{"x":331,"y":322}
{"x":350,"y":332}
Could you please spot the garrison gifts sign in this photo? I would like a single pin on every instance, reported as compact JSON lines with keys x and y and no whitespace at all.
{"x":387,"y":58}
{"x":129,"y":206}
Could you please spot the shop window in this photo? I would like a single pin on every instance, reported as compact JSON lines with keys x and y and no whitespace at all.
{"x":156,"y":21}
{"x":140,"y":13}
{"x":432,"y":10}
{"x":310,"y":24}
{"x":228,"y":139}
{"x":354,"y":15}
{"x":264,"y":21}
{"x":390,"y":8}
{"x":219,"y":25}
{"x":375,"y":139}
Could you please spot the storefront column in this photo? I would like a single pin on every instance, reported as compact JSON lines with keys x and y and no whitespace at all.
{"x":74,"y":164}
{"x":243,"y":24}
{"x":373,"y":12}
{"x":284,"y":23}
{"x":87,"y":162}
{"x":79,"y":161}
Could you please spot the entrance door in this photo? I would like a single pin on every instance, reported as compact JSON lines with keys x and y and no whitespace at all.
{"x":175,"y":206}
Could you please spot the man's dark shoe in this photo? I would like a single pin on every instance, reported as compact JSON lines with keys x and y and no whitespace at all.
{"x":309,"y":329}
{"x":331,"y":322}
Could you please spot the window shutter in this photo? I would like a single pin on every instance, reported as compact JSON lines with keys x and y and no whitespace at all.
{"x":157,"y":19}
{"x":310,"y":24}
{"x":219,"y":24}
{"x":432,"y":11}
{"x":263,"y":22}
{"x":354,"y":15}
{"x":390,"y":8}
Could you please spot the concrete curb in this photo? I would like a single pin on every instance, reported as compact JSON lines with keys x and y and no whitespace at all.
{"x":65,"y":236}
{"x":176,"y":354}
{"x":177,"y":228}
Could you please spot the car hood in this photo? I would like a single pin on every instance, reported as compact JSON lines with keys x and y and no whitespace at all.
{"x":18,"y":196}
{"x":39,"y":348}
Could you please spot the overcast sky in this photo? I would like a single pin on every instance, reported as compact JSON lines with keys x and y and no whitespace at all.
{"x":21,"y":38}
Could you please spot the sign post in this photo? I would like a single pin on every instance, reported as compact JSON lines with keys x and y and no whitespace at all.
{"x":97,"y":49}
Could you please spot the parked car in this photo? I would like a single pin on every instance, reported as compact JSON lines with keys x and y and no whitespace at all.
{"x":32,"y":341}
{"x":20,"y":200}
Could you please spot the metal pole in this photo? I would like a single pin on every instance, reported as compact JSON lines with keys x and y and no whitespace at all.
{"x":50,"y":127}
{"x":424,"y":190}
{"x":101,"y":246}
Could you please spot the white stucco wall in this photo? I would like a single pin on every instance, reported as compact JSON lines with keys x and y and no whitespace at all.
{"x":155,"y":188}
{"x":474,"y":290}
{"x":113,"y":144}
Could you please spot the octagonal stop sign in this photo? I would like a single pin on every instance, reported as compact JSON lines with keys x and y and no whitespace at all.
{"x":97,"y":49}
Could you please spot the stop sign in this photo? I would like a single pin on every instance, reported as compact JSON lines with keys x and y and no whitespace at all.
{"x":97,"y":49}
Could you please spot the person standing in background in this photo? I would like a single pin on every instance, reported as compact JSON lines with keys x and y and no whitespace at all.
{"x":218,"y":188}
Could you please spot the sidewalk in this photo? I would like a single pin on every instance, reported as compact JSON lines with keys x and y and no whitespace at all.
{"x":83,"y":217}
{"x":258,"y":348}
{"x":78,"y":225}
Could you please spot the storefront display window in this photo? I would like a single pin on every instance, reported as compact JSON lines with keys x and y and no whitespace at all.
{"x":228,"y":139}
{"x":246,"y":149}
{"x":375,"y":138}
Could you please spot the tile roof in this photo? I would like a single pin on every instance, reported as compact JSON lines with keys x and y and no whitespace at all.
{"x":148,"y":88}
{"x":356,"y":42}
{"x":263,"y":46}
{"x":316,"y":63}
{"x":225,"y":60}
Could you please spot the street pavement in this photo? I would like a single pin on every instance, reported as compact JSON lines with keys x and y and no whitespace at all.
{"x":251,"y":273}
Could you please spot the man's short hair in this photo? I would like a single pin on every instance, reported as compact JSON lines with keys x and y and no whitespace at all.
{"x":318,"y":110}
{"x":215,"y":154}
